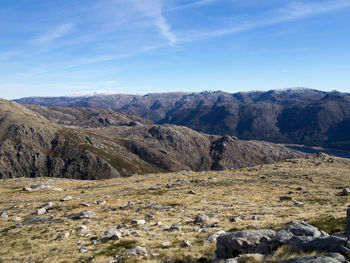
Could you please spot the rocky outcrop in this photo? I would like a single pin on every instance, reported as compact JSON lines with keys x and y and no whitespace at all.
{"x":297,"y":236}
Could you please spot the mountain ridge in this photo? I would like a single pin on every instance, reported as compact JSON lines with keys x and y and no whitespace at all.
{"x":318,"y":117}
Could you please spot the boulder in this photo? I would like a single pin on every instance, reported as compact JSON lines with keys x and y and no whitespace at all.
{"x":86,"y":214}
{"x":245,"y":242}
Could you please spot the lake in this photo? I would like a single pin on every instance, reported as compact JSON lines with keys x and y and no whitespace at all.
{"x":306,"y":149}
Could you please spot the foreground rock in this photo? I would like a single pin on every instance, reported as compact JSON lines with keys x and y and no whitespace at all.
{"x":245,"y":242}
{"x":298,"y":236}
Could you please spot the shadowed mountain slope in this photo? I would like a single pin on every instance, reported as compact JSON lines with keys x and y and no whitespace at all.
{"x":32,"y":146}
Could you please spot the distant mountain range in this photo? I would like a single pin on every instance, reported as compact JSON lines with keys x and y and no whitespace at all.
{"x":85,"y":143}
{"x":298,"y":116}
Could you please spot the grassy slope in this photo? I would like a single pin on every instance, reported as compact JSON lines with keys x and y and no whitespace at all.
{"x":230,"y":193}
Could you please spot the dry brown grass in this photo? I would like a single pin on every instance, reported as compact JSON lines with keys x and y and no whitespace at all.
{"x":231,"y":193}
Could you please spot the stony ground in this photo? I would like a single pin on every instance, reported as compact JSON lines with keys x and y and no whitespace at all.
{"x":252,"y":198}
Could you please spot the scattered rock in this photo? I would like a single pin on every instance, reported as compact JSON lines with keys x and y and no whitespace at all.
{"x":111,"y":234}
{"x":231,"y":260}
{"x":16,"y":218}
{"x":166,"y":244}
{"x":138,"y":222}
{"x":83,"y":249}
{"x":27,"y":189}
{"x":201,"y":218}
{"x":346,"y":191}
{"x":100,"y":202}
{"x":150,"y":216}
{"x":299,"y":188}
{"x":86,"y":214}
{"x":191,"y":192}
{"x":41,"y":211}
{"x":186,"y":243}
{"x":47,"y":206}
{"x":85,"y":204}
{"x":4,"y":214}
{"x":83,"y":229}
{"x":66,"y":198}
{"x":297,"y":203}
{"x":137,"y":251}
{"x":175,"y":227}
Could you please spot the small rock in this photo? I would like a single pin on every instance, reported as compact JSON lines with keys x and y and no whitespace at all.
{"x":299,"y":188}
{"x":175,"y":227}
{"x":47,"y":205}
{"x":66,"y":198}
{"x":201,"y":218}
{"x":83,"y":229}
{"x":111,"y":234}
{"x":16,"y":218}
{"x":27,"y":189}
{"x":150,"y":216}
{"x":41,"y":211}
{"x":136,"y":234}
{"x":100,"y":202}
{"x":166,"y":244}
{"x":83,"y":249}
{"x":85,"y":204}
{"x":86,"y":214}
{"x":346,"y":191}
{"x":13,"y":231}
{"x":191,"y":192}
{"x":231,"y":260}
{"x":4,"y":214}
{"x":186,"y":243}
{"x":138,"y":222}
{"x":137,"y":251}
{"x":297,"y":203}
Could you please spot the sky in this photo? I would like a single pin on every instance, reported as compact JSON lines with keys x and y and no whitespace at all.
{"x":64,"y":47}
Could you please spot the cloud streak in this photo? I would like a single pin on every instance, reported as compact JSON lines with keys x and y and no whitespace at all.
{"x":291,"y":12}
{"x":153,"y":10}
{"x":55,"y":33}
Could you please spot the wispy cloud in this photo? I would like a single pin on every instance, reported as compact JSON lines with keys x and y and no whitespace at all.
{"x":55,"y":33}
{"x":153,"y":9}
{"x":291,"y":12}
{"x":191,"y":5}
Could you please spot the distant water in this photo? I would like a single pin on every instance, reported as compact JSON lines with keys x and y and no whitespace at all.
{"x":305,"y":149}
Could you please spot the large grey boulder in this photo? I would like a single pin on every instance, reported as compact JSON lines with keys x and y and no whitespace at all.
{"x":297,"y":229}
{"x":245,"y":242}
{"x":110,"y":234}
{"x":328,"y":258}
{"x":328,"y":244}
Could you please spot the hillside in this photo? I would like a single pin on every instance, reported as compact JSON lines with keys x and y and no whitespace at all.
{"x":298,"y":116}
{"x":120,"y":144}
{"x":158,"y":211}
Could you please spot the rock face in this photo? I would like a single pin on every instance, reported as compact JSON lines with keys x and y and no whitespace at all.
{"x":32,"y":146}
{"x":244,"y":242}
{"x":300,"y":116}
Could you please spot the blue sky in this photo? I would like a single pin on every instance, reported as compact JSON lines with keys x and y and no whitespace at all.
{"x":61,"y":47}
